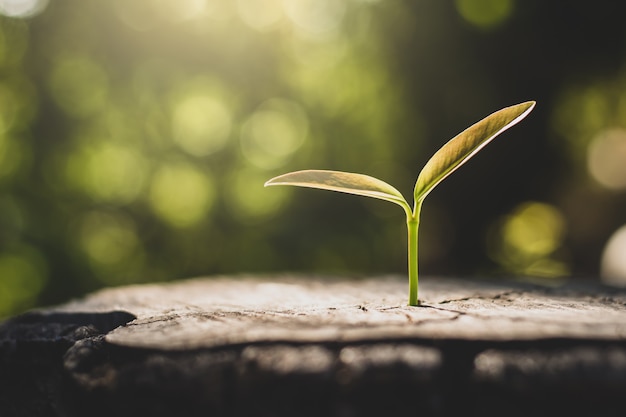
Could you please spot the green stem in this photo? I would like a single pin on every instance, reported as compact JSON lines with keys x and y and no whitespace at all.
{"x":413,"y":226}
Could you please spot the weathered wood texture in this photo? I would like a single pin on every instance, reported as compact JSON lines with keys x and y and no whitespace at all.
{"x":313,"y":346}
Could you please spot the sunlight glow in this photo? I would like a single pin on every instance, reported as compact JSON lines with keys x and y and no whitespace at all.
{"x":317,"y":55}
{"x":22,"y":8}
{"x":250,"y":202}
{"x":316,"y":18}
{"x":181,"y":195}
{"x":181,"y":10}
{"x":613,"y":266}
{"x":145,"y":15}
{"x":201,"y":124}
{"x":107,"y":172}
{"x":606,"y":159}
{"x":534,"y":229}
{"x":260,"y":15}
{"x":274,"y":133}
{"x":140,"y":15}
{"x":527,"y":239}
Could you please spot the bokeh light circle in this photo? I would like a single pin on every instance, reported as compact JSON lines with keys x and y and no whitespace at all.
{"x":22,"y":8}
{"x":613,"y":264}
{"x":606,"y":159}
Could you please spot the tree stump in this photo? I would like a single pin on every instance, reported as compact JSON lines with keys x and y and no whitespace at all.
{"x":314,"y":346}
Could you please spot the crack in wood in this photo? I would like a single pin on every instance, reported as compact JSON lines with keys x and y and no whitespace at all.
{"x":481,"y":297}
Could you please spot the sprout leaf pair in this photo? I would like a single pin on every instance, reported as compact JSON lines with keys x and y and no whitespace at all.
{"x":445,"y":161}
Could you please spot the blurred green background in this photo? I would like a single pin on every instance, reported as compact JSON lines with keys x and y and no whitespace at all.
{"x":136,"y":135}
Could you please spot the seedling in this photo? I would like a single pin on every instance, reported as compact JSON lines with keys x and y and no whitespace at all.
{"x":445,"y":161}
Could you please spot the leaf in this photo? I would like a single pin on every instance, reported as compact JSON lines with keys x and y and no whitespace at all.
{"x":465,"y":145}
{"x":344,"y":182}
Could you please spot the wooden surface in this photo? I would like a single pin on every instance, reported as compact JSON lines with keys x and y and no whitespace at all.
{"x":282,"y":345}
{"x":217,"y":312}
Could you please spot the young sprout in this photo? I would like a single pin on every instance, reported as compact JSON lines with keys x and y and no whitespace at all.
{"x":445,"y":161}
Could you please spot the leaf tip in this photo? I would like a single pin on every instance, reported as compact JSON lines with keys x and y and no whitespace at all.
{"x":530,"y":105}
